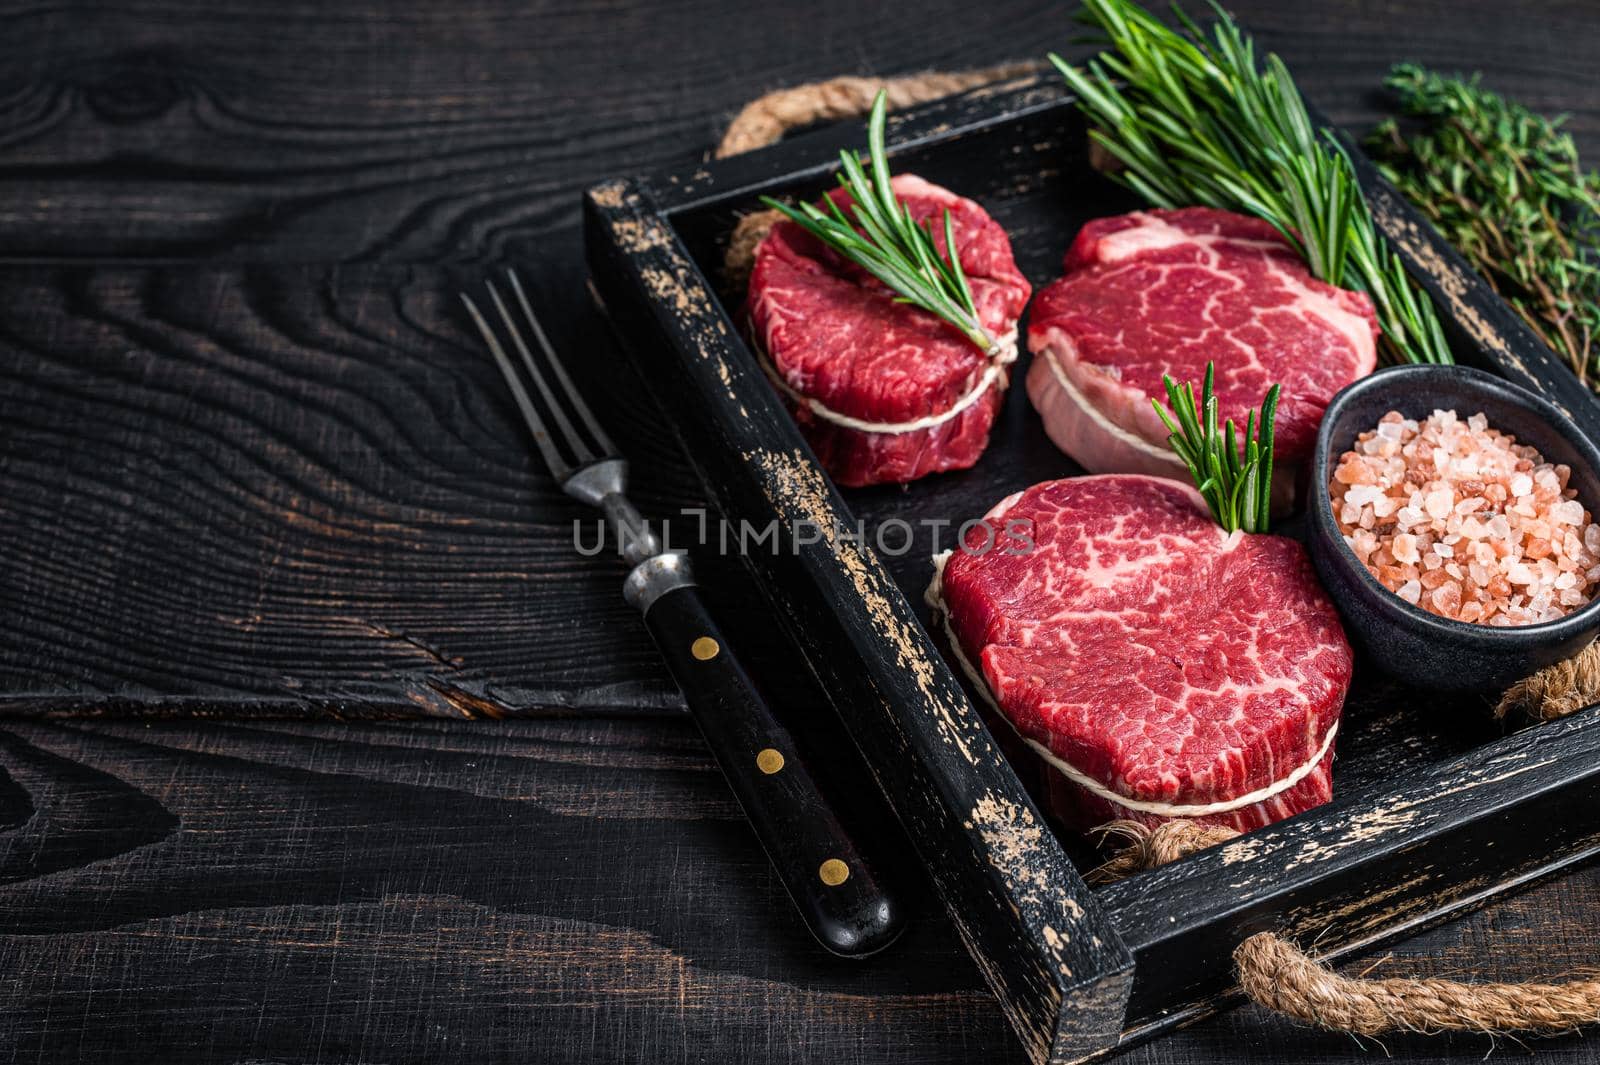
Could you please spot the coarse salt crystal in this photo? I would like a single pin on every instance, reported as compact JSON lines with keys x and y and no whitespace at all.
{"x":1362,"y":494}
{"x":1462,"y":520}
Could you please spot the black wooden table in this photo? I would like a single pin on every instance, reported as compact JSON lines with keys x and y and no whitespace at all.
{"x":253,"y":468}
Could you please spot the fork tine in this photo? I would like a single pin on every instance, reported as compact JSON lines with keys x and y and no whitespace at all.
{"x":597,"y":434}
{"x":559,"y":469}
{"x":569,"y":435}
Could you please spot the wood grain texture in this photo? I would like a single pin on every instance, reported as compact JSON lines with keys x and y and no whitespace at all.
{"x":219,"y":893}
{"x":569,"y":889}
{"x":312,"y":132}
{"x":561,"y":889}
{"x":299,"y":488}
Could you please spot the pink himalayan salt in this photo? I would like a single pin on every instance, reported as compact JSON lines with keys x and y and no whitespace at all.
{"x":1461,"y":520}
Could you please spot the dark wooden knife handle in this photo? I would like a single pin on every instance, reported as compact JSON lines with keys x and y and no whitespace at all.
{"x":834,"y":885}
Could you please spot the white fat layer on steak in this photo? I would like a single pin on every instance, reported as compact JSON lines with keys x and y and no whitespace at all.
{"x":934,"y":597}
{"x":1159,"y":460}
{"x":1154,"y":233}
{"x":1098,"y":444}
{"x":1001,"y":356}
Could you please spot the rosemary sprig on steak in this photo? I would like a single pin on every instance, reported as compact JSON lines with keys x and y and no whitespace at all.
{"x":1503,"y":184}
{"x":1195,"y":120}
{"x":1237,"y":488}
{"x":880,"y":236}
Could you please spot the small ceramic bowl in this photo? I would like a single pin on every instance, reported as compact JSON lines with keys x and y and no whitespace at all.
{"x":1406,"y":641}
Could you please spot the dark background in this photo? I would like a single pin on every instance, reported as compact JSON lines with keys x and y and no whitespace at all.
{"x":251,"y":463}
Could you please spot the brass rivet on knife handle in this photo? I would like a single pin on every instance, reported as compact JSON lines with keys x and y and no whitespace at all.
{"x":833,"y":872}
{"x":769,"y":761}
{"x":705,"y":648}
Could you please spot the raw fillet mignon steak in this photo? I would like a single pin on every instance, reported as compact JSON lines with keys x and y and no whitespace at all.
{"x":1165,"y":668}
{"x":885,"y":392}
{"x":1156,"y":292}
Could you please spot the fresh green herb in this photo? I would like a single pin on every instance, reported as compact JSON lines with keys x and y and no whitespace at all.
{"x":1198,"y":121}
{"x":1503,"y":184}
{"x":1238,"y":489}
{"x":882,"y":238}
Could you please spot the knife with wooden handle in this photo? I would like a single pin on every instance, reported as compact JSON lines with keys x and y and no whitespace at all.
{"x":840,"y":894}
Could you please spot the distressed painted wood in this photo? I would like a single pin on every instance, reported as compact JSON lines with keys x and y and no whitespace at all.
{"x":1387,"y":855}
{"x":1059,"y":970}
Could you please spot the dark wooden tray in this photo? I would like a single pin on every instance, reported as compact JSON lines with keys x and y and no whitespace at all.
{"x":1436,"y":809}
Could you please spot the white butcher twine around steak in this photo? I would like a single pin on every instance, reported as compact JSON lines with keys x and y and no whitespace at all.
{"x":1164,"y":667}
{"x":885,"y":392}
{"x":1156,"y":292}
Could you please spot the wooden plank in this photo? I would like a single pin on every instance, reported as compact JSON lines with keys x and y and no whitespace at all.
{"x":297,"y":491}
{"x":573,"y":889}
{"x":294,"y":893}
{"x":401,"y":132}
{"x":363,"y":130}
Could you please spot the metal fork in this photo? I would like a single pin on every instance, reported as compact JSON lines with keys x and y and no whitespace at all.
{"x":836,"y":888}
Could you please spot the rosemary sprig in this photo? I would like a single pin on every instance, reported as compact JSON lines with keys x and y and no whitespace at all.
{"x":1237,"y":488}
{"x":880,"y":236}
{"x":1504,"y":185}
{"x":1194,"y":120}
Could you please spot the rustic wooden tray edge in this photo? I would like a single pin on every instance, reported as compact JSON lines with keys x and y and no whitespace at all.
{"x":754,"y":462}
{"x":1054,"y":959}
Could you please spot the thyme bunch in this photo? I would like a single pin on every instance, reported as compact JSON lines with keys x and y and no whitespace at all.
{"x":1504,"y":185}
